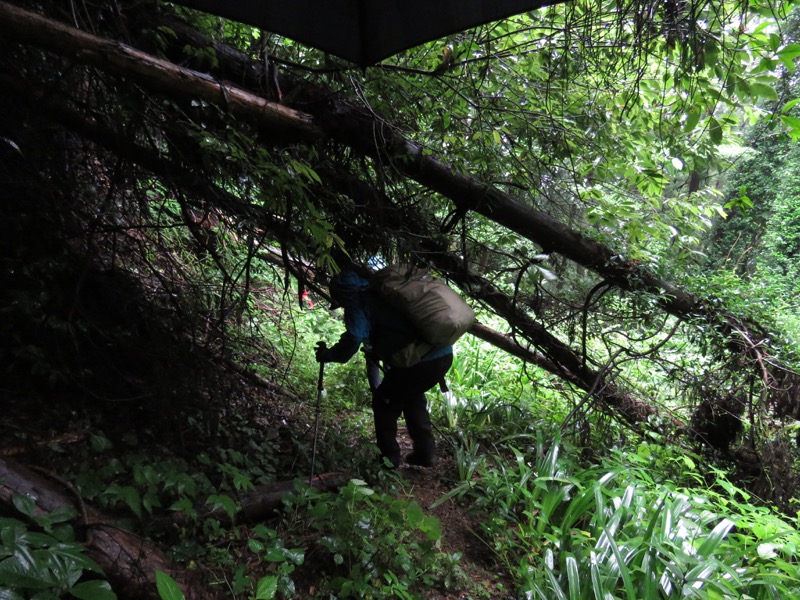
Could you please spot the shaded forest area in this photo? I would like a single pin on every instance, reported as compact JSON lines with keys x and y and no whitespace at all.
{"x":150,"y":174}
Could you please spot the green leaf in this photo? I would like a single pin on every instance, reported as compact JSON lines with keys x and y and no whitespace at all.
{"x":432,"y":528}
{"x":715,"y":538}
{"x":275,"y":555}
{"x":24,"y":504}
{"x":692,"y":119}
{"x":573,"y":577}
{"x":789,"y":52}
{"x":295,"y":555}
{"x":25,"y":572}
{"x":318,"y":510}
{"x":266,"y":588}
{"x":62,"y":514}
{"x":793,"y":122}
{"x":446,"y":120}
{"x":93,"y":590}
{"x":790,"y":105}
{"x":762,"y":90}
{"x":7,"y":594}
{"x":622,"y":568}
{"x":167,"y":587}
{"x":714,"y":130}
{"x":100,"y":442}
{"x":767,"y":551}
{"x":225,"y":502}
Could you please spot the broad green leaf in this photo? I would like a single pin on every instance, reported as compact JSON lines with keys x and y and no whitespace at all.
{"x":793,"y":122}
{"x":168,"y":588}
{"x":8,"y":594}
{"x":93,"y":590}
{"x":715,"y":538}
{"x":555,"y":587}
{"x":714,"y":130}
{"x":789,"y":52}
{"x":295,"y":556}
{"x":692,"y":119}
{"x":790,"y":105}
{"x":767,"y":550}
{"x":763,"y":90}
{"x":61,"y":514}
{"x":225,"y":502}
{"x":431,"y":527}
{"x":24,"y":504}
{"x":623,"y":572}
{"x":26,"y":573}
{"x":573,"y":577}
{"x":266,"y":588}
{"x":275,"y":555}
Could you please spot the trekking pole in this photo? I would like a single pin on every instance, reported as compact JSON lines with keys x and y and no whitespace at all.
{"x":316,"y":419}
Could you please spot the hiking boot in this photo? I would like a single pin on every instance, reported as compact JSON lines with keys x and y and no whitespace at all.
{"x":421,"y":459}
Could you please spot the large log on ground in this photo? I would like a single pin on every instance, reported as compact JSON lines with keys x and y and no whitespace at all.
{"x":262,"y":502}
{"x":129,"y":562}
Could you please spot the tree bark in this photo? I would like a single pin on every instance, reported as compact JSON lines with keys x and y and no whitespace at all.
{"x":158,"y":75}
{"x":128,"y":561}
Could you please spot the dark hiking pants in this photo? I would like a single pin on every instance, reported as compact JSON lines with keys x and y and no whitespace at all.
{"x":402,"y":391}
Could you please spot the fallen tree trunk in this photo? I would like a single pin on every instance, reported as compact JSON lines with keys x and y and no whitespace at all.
{"x":257,"y":504}
{"x":128,"y":561}
{"x":507,"y":343}
{"x":365,"y":132}
{"x":557,"y":357}
{"x":155,"y":73}
{"x":372,"y":136}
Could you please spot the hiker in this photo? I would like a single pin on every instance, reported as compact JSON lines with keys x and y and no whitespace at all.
{"x":384,"y":330}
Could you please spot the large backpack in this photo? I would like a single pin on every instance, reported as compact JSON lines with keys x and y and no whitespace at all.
{"x":438,"y":313}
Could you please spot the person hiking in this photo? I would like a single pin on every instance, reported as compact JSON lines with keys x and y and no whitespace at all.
{"x":383,"y":330}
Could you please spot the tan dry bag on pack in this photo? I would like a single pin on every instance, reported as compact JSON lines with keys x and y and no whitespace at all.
{"x":438,"y":313}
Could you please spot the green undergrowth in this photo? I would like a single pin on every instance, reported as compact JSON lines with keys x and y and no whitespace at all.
{"x":638,"y":525}
{"x":371,"y":543}
{"x":646,"y":520}
{"x":42,"y":559}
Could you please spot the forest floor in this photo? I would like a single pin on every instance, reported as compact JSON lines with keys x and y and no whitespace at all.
{"x":461,"y":529}
{"x":38,"y":439}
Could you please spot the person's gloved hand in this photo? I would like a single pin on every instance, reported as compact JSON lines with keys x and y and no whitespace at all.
{"x":321,"y":352}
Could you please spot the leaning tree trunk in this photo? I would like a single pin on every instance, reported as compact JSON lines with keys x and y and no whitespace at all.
{"x":368,"y":134}
{"x":326,"y":117}
{"x":375,"y":137}
{"x":557,"y":357}
{"x":260,"y":503}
